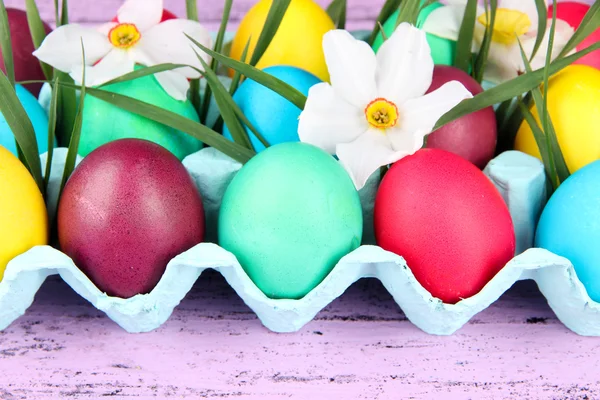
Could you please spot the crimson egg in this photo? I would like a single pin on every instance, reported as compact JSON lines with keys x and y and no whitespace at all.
{"x":127,"y":209}
{"x":448,"y":221}
{"x":472,"y":136}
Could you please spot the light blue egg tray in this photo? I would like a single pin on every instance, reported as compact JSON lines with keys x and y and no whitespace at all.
{"x":520,"y":179}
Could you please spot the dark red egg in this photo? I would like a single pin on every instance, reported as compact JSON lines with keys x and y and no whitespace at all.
{"x":448,"y":221}
{"x":27,"y":67}
{"x":127,"y":209}
{"x":473,"y":136}
{"x":167,"y":15}
{"x":573,"y":13}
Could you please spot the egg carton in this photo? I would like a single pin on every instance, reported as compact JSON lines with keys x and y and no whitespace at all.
{"x":519,"y":178}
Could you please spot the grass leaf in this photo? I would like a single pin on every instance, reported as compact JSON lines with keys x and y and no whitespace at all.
{"x":52,"y":119}
{"x":409,"y":12}
{"x":6,"y":44}
{"x":389,"y":7}
{"x":237,"y":76}
{"x":542,"y":12}
{"x":481,"y":59}
{"x":274,"y":17}
{"x":463,"y":56}
{"x":142,"y":72}
{"x":191,"y":9}
{"x":337,"y":12}
{"x":64,"y":14}
{"x":589,"y":23}
{"x":67,"y":109}
{"x":38,"y":32}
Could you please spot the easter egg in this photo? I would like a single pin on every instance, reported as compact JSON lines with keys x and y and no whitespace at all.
{"x":289,"y":216}
{"x":573,"y":13}
{"x":569,"y":225}
{"x":27,"y":67}
{"x":448,"y":221}
{"x":574,"y":108}
{"x":271,"y":114}
{"x":442,"y":50}
{"x":473,"y":136}
{"x":296,"y":43}
{"x":104,"y":122}
{"x":128,"y":208}
{"x":22,"y":210}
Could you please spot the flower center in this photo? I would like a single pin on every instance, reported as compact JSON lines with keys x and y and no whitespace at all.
{"x":509,"y":24}
{"x":382,"y":113}
{"x":124,"y":36}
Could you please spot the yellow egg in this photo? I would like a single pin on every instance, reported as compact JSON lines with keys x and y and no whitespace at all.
{"x":574,"y":108}
{"x":298,"y":41}
{"x":24,"y":222}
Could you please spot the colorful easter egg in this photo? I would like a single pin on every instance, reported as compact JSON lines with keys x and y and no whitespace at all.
{"x":38,"y":119}
{"x":473,"y":136}
{"x":574,"y":108}
{"x":22,"y":210}
{"x":448,"y":221}
{"x":442,"y":50}
{"x":27,"y":67}
{"x":573,"y":12}
{"x":128,"y":209}
{"x":569,"y":225}
{"x":271,"y":114}
{"x":296,"y":43}
{"x":289,"y":216}
{"x":104,"y":122}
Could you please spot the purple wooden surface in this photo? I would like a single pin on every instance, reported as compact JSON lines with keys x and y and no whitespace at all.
{"x":361,"y":346}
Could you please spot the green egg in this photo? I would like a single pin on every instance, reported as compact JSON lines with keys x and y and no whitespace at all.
{"x":289,"y":216}
{"x":442,"y":50}
{"x":104,"y":122}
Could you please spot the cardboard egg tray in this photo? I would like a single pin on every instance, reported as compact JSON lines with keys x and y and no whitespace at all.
{"x":519,"y":178}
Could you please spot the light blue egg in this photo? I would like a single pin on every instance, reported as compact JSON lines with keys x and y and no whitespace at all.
{"x":38,"y":118}
{"x":570,"y":225}
{"x":272,"y":115}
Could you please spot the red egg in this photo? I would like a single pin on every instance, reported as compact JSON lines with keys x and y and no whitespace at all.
{"x":167,"y":15}
{"x":573,"y":13}
{"x":129,"y":208}
{"x":447,"y":220}
{"x":473,"y":136}
{"x":27,"y":67}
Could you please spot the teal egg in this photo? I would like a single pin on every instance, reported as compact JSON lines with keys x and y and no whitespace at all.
{"x":289,"y":216}
{"x":442,"y":50}
{"x":570,"y":226}
{"x":272,"y":115}
{"x":104,"y":122}
{"x":36,"y":115}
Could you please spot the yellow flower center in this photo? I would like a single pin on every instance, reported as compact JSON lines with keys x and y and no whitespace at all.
{"x":509,"y":24}
{"x":124,"y":36}
{"x":382,"y":113}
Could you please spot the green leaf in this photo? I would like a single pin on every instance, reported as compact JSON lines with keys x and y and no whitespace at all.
{"x":191,"y":9}
{"x":76,"y":134}
{"x":56,"y":13}
{"x":22,"y":129}
{"x":274,"y":17}
{"x":542,"y":12}
{"x":589,"y":23}
{"x":389,"y":7}
{"x":6,"y":44}
{"x":67,"y":106}
{"x":464,"y":44}
{"x":173,"y":120}
{"x":195,"y":95}
{"x":64,"y":14}
{"x":508,"y":90}
{"x":237,"y":76}
{"x":276,"y":85}
{"x":481,"y":60}
{"x":409,"y":12}
{"x":52,"y":119}
{"x":38,"y":32}
{"x":337,"y":12}
{"x":142,"y":72}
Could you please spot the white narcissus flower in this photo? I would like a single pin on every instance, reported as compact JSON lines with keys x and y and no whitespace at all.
{"x":516,"y":20}
{"x":375,"y":111}
{"x":137,"y":38}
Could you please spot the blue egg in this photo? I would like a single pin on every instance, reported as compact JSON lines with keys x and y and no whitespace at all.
{"x":272,"y":115}
{"x":570,"y":225}
{"x":38,"y":118}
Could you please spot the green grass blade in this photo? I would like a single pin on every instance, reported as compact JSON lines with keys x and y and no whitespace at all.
{"x":409,"y":12}
{"x":463,"y":56}
{"x":274,"y":17}
{"x":276,"y":85}
{"x":195,"y":95}
{"x":542,"y":12}
{"x":389,"y":7}
{"x":52,"y":118}
{"x":237,"y":76}
{"x":38,"y":32}
{"x":513,"y":88}
{"x":142,"y":72}
{"x":67,"y":106}
{"x":57,"y":13}
{"x":191,"y":9}
{"x":589,"y":23}
{"x":22,"y":129}
{"x":337,"y":12}
{"x":481,"y":60}
{"x":6,"y":44}
{"x":75,"y":138}
{"x":64,"y":14}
